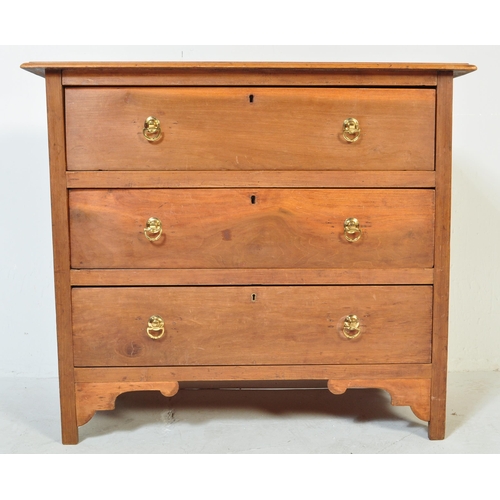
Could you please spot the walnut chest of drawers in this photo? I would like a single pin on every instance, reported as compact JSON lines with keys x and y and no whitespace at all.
{"x":250,"y":222}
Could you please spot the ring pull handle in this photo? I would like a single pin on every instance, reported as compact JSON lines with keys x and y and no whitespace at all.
{"x":152,"y":129}
{"x":351,"y":326}
{"x":153,"y":229}
{"x":351,"y":130}
{"x":352,"y":231}
{"x":155,"y":325}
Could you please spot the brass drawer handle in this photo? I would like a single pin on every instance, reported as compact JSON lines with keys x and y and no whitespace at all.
{"x":152,"y":129}
{"x":153,"y":228}
{"x":351,"y":227}
{"x":351,"y":326}
{"x":156,"y":324}
{"x":351,"y":130}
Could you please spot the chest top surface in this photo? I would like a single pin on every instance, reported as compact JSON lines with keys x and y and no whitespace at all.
{"x":458,"y":69}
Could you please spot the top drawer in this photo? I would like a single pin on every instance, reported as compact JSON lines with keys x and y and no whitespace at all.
{"x":254,"y":128}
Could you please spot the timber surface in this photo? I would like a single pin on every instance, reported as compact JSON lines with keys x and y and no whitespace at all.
{"x":251,"y":325}
{"x":237,"y":128}
{"x":251,"y":228}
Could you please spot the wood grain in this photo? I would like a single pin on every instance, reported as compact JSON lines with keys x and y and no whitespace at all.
{"x":251,"y":325}
{"x":254,"y":179}
{"x":268,"y":68}
{"x":230,"y":229}
{"x":92,"y":397}
{"x":414,"y":393}
{"x":220,"y":129}
{"x":437,"y":425}
{"x":254,"y":373}
{"x":250,"y":291}
{"x":224,"y":77}
{"x":119,"y":277}
{"x":61,"y":249}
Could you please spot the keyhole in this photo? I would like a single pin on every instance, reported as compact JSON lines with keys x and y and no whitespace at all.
{"x":250,"y":98}
{"x":252,"y":199}
{"x":254,"y":297}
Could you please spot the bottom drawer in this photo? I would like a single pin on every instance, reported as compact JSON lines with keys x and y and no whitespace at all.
{"x":251,"y":325}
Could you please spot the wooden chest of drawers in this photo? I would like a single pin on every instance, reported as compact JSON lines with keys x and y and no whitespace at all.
{"x":249,"y":222}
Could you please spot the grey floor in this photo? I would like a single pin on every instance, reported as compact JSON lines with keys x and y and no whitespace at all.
{"x":361,"y":421}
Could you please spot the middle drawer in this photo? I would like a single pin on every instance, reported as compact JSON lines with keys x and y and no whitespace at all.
{"x":244,"y":228}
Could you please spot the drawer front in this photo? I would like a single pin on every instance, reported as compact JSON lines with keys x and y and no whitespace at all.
{"x":243,"y":228}
{"x":209,"y":128}
{"x":252,"y":325}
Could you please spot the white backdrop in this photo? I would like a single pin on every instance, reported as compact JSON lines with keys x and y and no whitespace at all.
{"x":27,"y":318}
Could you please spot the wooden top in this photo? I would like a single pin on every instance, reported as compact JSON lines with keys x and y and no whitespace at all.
{"x":458,"y":69}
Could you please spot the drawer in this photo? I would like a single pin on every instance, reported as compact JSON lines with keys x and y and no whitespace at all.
{"x":254,"y":128}
{"x":251,"y":325}
{"x":244,"y":228}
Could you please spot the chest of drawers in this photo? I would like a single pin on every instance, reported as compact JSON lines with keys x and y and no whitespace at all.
{"x":250,"y":222}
